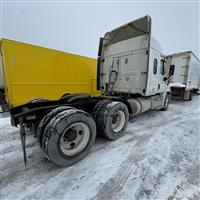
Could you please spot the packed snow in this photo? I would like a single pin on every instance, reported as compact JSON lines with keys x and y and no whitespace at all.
{"x":179,"y":85}
{"x":157,"y":158}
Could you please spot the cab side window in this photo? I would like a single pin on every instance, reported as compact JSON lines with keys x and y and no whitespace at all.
{"x":155,"y":66}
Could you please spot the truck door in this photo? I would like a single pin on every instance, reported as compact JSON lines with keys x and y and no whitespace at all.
{"x":154,"y":73}
{"x":162,"y":74}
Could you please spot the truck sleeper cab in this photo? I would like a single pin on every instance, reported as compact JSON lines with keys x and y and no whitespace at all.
{"x":131,"y":64}
{"x":132,"y":77}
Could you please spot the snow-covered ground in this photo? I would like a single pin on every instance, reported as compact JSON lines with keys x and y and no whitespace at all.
{"x":158,"y":158}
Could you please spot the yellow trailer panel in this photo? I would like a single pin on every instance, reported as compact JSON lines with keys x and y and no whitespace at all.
{"x":32,"y":71}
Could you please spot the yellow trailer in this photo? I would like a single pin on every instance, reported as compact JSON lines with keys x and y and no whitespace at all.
{"x":31,"y":71}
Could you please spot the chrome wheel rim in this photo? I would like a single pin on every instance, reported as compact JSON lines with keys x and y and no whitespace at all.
{"x":75,"y":138}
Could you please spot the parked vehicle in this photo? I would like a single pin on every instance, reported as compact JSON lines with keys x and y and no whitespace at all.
{"x":2,"y":91}
{"x":132,"y":78}
{"x":1,"y":75}
{"x":186,"y":79}
{"x":31,"y":72}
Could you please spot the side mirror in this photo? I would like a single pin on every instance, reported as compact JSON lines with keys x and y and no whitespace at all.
{"x":165,"y":78}
{"x":163,"y":60}
{"x":171,"y":70}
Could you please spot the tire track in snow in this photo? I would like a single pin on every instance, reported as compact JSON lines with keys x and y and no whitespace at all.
{"x":175,"y":119}
{"x":114,"y":185}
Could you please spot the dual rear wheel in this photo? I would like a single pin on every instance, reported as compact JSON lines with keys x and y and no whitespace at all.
{"x":66,"y":134}
{"x":111,"y":119}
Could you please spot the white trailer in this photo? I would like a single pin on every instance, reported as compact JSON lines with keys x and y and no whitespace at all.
{"x":186,"y":79}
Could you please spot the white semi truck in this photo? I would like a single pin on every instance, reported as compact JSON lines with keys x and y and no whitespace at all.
{"x":186,"y":79}
{"x":132,"y":77}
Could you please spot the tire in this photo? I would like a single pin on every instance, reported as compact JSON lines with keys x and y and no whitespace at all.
{"x":46,"y":119}
{"x":68,"y":137}
{"x":112,"y":120}
{"x":98,"y":107}
{"x":166,"y":103}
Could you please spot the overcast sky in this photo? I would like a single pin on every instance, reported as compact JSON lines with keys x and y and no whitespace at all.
{"x":76,"y":27}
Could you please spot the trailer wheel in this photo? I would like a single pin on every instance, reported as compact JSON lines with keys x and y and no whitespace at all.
{"x":166,"y":103}
{"x":46,"y":119}
{"x":112,"y":120}
{"x":68,"y":137}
